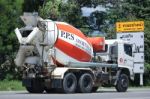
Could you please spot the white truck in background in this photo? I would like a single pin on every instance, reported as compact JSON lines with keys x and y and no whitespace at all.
{"x":55,"y":56}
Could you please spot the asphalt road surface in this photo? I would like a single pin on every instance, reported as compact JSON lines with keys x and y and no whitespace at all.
{"x":102,"y":93}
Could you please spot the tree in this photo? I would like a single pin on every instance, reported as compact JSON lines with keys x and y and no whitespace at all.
{"x":32,"y":5}
{"x":147,"y":41}
{"x":9,"y":19}
{"x":50,"y":10}
{"x":62,"y":11}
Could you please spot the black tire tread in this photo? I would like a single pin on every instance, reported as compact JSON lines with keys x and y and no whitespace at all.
{"x":73,"y":86}
{"x":90,"y":86}
{"x":36,"y":86}
{"x":119,"y":87}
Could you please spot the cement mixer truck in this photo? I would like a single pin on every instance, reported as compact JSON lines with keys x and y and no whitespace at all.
{"x":55,"y":56}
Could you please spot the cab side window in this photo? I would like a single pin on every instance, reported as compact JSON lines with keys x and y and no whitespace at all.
{"x":128,"y":49}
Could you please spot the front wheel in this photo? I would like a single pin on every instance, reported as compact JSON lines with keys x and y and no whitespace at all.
{"x":122,"y":83}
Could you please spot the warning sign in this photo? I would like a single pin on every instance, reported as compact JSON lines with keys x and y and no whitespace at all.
{"x":134,"y":26}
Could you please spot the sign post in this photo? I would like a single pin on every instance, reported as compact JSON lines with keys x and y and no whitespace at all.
{"x":133,"y":32}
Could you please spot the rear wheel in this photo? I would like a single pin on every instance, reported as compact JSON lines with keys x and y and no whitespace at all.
{"x":86,"y":83}
{"x":94,"y":89}
{"x":69,"y":83}
{"x":36,"y":86}
{"x":122,"y":83}
{"x":51,"y":90}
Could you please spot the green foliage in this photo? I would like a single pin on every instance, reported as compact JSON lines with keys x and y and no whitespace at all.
{"x":62,"y":11}
{"x":9,"y":71}
{"x":71,"y":13}
{"x":147,"y":75}
{"x":50,"y":10}
{"x":147,"y":69}
{"x":147,"y":41}
{"x":8,"y":85}
{"x":9,"y":20}
{"x":32,"y":5}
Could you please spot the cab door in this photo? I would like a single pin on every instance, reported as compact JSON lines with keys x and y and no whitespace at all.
{"x":128,"y":55}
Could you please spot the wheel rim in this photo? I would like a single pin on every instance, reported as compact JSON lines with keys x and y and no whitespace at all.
{"x":87,"y":82}
{"x":124,"y":83}
{"x":70,"y":83}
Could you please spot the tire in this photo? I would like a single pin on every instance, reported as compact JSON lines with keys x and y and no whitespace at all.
{"x":36,"y":86}
{"x":69,"y":83}
{"x":52,"y":90}
{"x":94,"y":89}
{"x":86,"y":83}
{"x":122,"y":83}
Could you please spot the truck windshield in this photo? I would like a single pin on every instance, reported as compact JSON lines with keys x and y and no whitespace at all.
{"x":128,"y":49}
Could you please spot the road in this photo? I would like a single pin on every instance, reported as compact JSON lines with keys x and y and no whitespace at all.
{"x":102,"y":93}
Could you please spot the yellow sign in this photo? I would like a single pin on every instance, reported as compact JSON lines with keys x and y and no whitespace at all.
{"x":130,"y":26}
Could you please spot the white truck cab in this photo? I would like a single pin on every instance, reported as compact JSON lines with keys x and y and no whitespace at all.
{"x":119,"y":52}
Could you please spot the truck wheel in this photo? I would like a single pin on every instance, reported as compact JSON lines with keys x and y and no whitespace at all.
{"x":122,"y":83}
{"x":69,"y":83}
{"x":52,"y":90}
{"x":36,"y":87}
{"x":94,"y":89}
{"x":86,"y":83}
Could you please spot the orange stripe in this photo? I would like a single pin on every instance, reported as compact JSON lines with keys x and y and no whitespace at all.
{"x":72,"y":51}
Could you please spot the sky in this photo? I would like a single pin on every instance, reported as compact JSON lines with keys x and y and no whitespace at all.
{"x":86,"y":11}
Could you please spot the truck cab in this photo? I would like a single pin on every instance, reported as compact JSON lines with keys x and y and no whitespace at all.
{"x":119,"y":52}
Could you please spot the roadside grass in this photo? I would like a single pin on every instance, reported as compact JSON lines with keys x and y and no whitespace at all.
{"x":11,"y":85}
